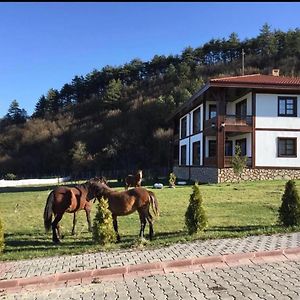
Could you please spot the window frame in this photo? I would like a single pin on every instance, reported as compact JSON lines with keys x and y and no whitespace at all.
{"x":294,"y":139}
{"x":210,"y":110}
{"x":198,"y":153}
{"x":285,"y":98}
{"x":186,"y":127}
{"x":240,"y":142}
{"x":183,"y":146}
{"x":209,"y":148}
{"x":199,"y":120}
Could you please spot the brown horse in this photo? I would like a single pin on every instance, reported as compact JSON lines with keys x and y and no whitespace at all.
{"x":134,"y":180}
{"x":126,"y":202}
{"x":68,"y":199}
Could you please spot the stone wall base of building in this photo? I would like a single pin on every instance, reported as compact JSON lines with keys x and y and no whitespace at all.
{"x":214,"y":175}
{"x":227,"y":175}
{"x":199,"y":174}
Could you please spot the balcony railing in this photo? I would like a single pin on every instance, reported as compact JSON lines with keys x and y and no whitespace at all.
{"x":238,"y":120}
{"x":228,"y":159}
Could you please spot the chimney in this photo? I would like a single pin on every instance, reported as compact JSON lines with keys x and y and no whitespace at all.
{"x":275,"y":72}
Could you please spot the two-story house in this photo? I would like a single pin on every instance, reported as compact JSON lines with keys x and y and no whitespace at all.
{"x":260,"y":113}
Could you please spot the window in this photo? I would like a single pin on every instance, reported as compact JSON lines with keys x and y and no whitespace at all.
{"x":196,"y":120}
{"x":196,"y":153}
{"x":228,"y":148}
{"x":241,"y":108}
{"x":287,"y":106}
{"x":212,"y":147}
{"x":183,"y":127}
{"x":287,"y":147}
{"x":183,"y":155}
{"x":212,"y":111}
{"x":243,"y":145}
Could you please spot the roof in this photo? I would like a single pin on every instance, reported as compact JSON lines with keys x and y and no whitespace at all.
{"x":253,"y":81}
{"x":259,"y":79}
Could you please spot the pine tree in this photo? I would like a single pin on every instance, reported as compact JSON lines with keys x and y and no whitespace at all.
{"x":238,"y":162}
{"x":195,"y":216}
{"x":103,"y":231}
{"x":1,"y":237}
{"x":289,"y":211}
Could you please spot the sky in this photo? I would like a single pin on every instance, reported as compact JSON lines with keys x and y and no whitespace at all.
{"x":44,"y":45}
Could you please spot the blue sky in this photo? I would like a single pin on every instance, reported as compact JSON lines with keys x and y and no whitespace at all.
{"x":44,"y":45}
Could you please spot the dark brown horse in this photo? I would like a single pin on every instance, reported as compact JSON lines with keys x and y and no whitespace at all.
{"x":68,"y":199}
{"x":126,"y":202}
{"x":134,"y":180}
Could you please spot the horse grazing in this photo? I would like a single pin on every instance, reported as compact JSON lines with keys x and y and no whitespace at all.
{"x":126,"y":202}
{"x":68,"y":199}
{"x":134,"y":180}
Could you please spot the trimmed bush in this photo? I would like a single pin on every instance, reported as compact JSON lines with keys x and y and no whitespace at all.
{"x":103,"y":231}
{"x":172,"y":180}
{"x":195,"y":216}
{"x":1,"y":237}
{"x":289,"y":211}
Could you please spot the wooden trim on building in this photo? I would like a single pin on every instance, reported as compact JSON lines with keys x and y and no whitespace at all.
{"x":253,"y":146}
{"x":277,"y":129}
{"x":221,"y":111}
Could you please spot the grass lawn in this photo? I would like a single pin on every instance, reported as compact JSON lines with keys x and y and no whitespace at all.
{"x":233,"y":210}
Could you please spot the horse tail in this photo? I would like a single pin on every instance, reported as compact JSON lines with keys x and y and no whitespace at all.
{"x":48,"y":211}
{"x":154,"y":203}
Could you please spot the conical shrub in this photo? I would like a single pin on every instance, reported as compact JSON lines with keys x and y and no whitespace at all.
{"x":1,"y":237}
{"x":195,"y":216}
{"x":103,"y":231}
{"x":289,"y":211}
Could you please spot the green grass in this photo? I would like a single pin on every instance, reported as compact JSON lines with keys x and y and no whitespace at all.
{"x":233,"y":210}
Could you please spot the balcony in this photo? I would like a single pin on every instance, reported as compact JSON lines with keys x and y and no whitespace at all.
{"x":238,"y":123}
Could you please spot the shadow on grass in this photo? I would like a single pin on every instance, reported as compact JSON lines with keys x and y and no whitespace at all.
{"x":240,"y":228}
{"x":27,"y":243}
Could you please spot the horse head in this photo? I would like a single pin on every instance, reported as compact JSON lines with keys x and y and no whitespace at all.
{"x":92,"y":187}
{"x":98,"y":188}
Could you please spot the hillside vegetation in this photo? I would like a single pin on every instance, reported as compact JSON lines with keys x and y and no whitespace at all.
{"x":115,"y":118}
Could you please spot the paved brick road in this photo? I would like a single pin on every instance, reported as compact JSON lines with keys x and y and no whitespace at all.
{"x":271,"y":276}
{"x":63,"y":264}
{"x":277,"y":280}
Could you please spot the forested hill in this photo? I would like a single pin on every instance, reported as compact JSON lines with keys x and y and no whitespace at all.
{"x":115,"y":118}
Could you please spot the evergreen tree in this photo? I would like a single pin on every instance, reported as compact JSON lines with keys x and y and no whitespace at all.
{"x":289,"y":211}
{"x":238,"y":162}
{"x":103,"y":231}
{"x":40,"y":108}
{"x":15,"y":114}
{"x":195,"y":216}
{"x":113,"y":91}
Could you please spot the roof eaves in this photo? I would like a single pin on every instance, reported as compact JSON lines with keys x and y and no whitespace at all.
{"x":190,"y":101}
{"x":255,"y":85}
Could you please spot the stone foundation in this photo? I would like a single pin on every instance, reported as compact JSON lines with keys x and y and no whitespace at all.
{"x":200,"y":174}
{"x":214,"y":175}
{"x":227,"y":175}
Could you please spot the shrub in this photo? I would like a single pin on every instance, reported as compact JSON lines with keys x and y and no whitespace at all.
{"x":172,"y":180}
{"x":10,"y":176}
{"x":289,"y":211}
{"x":195,"y":216}
{"x":103,"y":231}
{"x":1,"y":237}
{"x":239,"y":162}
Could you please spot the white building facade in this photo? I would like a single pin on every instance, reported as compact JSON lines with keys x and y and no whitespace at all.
{"x":259,"y":113}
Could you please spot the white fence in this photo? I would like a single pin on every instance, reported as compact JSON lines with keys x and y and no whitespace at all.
{"x":8,"y":183}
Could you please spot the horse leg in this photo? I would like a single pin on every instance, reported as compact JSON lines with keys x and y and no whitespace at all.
{"x":115,"y":223}
{"x":55,"y":229}
{"x":88,"y":217}
{"x":143,"y":223}
{"x":150,"y":221}
{"x":74,"y":223}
